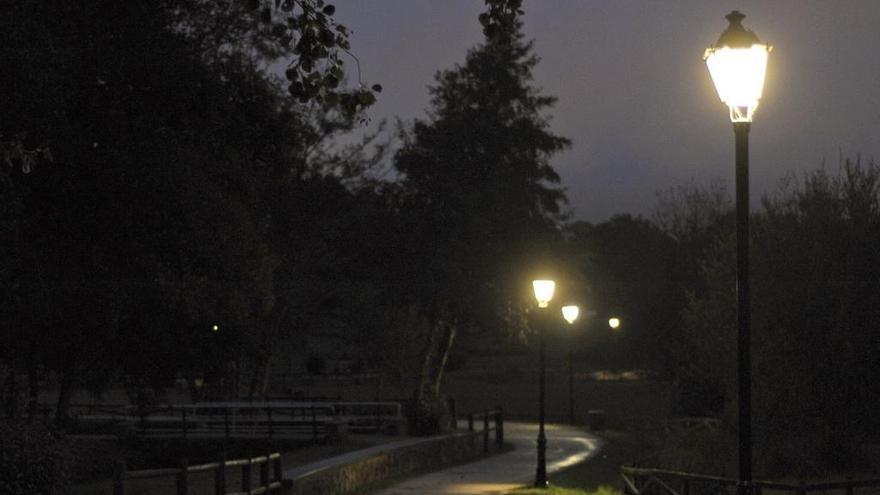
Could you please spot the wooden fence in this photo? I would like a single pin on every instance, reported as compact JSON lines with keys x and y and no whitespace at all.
{"x":496,"y":416}
{"x":269,"y":475}
{"x":307,"y":420}
{"x":649,"y":481}
{"x":313,"y":421}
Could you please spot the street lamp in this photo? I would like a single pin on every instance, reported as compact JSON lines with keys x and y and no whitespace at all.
{"x":738,"y":63}
{"x":614,"y":323}
{"x":570,"y":313}
{"x":543,"y":293}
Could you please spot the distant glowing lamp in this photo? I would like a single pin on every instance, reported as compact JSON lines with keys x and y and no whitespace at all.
{"x":215,"y":328}
{"x":543,"y":291}
{"x":614,"y":323}
{"x":738,"y":63}
{"x":570,"y":313}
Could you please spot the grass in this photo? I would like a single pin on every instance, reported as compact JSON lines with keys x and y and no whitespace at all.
{"x":599,"y":475}
{"x":555,"y":490}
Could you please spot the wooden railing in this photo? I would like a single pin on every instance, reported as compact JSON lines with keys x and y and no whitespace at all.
{"x":315,"y":421}
{"x":649,"y":481}
{"x":496,"y":417}
{"x":269,"y":475}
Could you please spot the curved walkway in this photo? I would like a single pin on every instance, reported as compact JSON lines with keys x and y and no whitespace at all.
{"x":498,"y":474}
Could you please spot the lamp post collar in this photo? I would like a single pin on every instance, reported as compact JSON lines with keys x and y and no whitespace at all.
{"x":736,"y":36}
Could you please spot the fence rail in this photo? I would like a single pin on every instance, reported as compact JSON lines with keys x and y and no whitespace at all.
{"x":495,"y":416}
{"x":269,"y":475}
{"x":314,"y":420}
{"x":651,"y":481}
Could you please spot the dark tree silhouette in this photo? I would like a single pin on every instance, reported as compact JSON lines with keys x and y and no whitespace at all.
{"x":479,"y":194}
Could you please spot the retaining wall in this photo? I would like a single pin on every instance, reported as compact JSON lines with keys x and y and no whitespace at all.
{"x":372,"y":470}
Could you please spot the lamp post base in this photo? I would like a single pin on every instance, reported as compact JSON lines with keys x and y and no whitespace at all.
{"x":541,"y":472}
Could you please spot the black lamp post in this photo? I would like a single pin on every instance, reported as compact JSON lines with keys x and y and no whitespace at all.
{"x":543,"y":293}
{"x":737,"y":63}
{"x":570,"y":313}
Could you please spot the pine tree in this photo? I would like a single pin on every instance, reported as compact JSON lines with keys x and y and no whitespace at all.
{"x":480,"y":188}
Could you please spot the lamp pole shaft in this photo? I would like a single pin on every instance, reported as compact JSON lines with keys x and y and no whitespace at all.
{"x":570,"y":388}
{"x":541,"y":471}
{"x":743,"y":316}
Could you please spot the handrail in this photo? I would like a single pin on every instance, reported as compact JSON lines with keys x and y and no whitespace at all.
{"x":630,"y":474}
{"x":267,"y":482}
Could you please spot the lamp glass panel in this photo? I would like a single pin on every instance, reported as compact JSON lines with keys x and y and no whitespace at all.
{"x":738,"y":75}
{"x":570,"y":313}
{"x":543,"y":291}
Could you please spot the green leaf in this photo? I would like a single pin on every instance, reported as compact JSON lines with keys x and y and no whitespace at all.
{"x":366,"y":98}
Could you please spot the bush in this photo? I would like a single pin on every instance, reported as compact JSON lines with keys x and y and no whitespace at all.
{"x":34,"y":459}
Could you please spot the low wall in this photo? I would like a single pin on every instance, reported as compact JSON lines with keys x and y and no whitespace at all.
{"x":372,"y":470}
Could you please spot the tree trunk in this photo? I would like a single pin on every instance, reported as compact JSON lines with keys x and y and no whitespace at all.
{"x":65,"y":391}
{"x":427,"y":407}
{"x":263,"y":390}
{"x":259,"y":383}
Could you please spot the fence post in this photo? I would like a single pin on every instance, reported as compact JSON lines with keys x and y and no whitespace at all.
{"x":470,"y":421}
{"x":314,"y":425}
{"x":499,"y":426}
{"x":276,"y":464}
{"x":264,"y":474}
{"x":246,"y":476}
{"x":119,"y":478}
{"x":182,"y":488}
{"x":803,"y":488}
{"x":220,"y":476}
{"x":486,"y":431}
{"x":226,"y":421}
{"x":849,"y":487}
{"x":685,"y":487}
{"x":183,"y":417}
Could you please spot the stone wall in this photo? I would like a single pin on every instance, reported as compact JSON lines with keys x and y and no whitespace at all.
{"x":362,"y":474}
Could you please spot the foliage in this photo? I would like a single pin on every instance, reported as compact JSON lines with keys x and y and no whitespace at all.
{"x":814,"y":305}
{"x":486,"y":130}
{"x":632,"y":267}
{"x":33,"y":459}
{"x":302,"y":34}
{"x":145,"y":233}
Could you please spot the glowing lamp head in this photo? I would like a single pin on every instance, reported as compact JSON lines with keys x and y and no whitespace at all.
{"x":570,"y":313}
{"x":614,"y":323}
{"x":738,"y":63}
{"x":215,"y":328}
{"x":543,"y":291}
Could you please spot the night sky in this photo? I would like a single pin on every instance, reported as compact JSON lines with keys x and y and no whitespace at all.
{"x":634,"y":94}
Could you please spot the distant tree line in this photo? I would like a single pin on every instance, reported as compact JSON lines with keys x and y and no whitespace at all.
{"x":815,"y":270}
{"x":171,"y":208}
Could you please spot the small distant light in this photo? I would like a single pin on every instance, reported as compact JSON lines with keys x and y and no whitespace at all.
{"x":614,"y":323}
{"x":570,"y":313}
{"x":215,"y":328}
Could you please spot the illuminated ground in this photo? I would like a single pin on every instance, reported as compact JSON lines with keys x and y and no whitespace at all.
{"x":501,"y":473}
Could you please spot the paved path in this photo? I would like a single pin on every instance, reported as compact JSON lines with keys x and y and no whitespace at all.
{"x":500,"y":473}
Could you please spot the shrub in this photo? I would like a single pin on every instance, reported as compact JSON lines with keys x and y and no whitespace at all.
{"x":34,"y":459}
